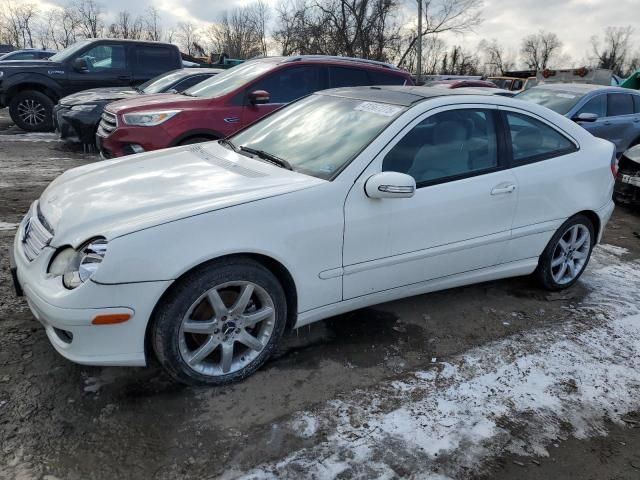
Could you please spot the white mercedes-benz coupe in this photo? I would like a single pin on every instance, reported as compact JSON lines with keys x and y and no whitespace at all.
{"x":204,"y":255}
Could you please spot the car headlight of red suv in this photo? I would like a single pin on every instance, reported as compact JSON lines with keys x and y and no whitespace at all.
{"x":149,"y":119}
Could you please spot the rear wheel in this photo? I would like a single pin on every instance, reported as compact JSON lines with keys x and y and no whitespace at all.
{"x":567,"y":254}
{"x":220,"y":323}
{"x":32,"y":111}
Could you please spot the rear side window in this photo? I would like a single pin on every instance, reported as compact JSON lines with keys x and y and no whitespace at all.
{"x":532,"y":140}
{"x":636,"y":102}
{"x":381,"y":78}
{"x":153,"y":60}
{"x":289,"y":84}
{"x":619,"y":104}
{"x":597,"y":105}
{"x":348,"y":77}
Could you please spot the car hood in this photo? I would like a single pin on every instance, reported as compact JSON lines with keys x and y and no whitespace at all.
{"x":116,"y":197}
{"x":98,"y":95}
{"x":150,"y":102}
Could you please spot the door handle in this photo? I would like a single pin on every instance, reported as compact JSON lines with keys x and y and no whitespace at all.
{"x":503,"y":189}
{"x":607,"y":122}
{"x":636,"y":120}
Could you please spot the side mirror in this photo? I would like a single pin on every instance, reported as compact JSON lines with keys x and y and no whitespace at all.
{"x":390,"y":185}
{"x":80,"y":65}
{"x":585,"y":117}
{"x":259,"y":97}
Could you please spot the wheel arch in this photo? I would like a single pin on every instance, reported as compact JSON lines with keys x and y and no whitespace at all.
{"x":201,"y":132}
{"x":281,"y":272}
{"x":36,"y":86}
{"x":595,"y":221}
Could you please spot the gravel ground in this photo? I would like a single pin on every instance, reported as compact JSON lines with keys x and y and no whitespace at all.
{"x":500,"y":380}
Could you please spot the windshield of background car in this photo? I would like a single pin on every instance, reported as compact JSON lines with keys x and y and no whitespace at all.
{"x":558,"y":100}
{"x":160,"y":83}
{"x":319,"y":134}
{"x":228,"y":81}
{"x":69,"y":51}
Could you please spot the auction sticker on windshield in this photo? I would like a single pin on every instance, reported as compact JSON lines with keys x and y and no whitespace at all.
{"x":379,"y":108}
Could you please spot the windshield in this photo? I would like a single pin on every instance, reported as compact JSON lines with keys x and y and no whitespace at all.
{"x":558,"y":100}
{"x":319,"y":134}
{"x":160,"y":83}
{"x":228,"y":81}
{"x":69,"y":51}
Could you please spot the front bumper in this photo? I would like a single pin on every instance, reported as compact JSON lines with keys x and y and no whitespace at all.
{"x":67,"y":314}
{"x":76,"y":126}
{"x":129,"y":140}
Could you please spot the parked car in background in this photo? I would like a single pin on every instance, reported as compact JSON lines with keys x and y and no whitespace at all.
{"x":28,"y":54}
{"x":627,"y":189}
{"x":32,"y":87}
{"x":612,"y":113}
{"x":515,"y":84}
{"x":76,"y":117}
{"x":460,"y":83}
{"x":487,"y":91}
{"x":231,"y":100}
{"x":389,"y":192}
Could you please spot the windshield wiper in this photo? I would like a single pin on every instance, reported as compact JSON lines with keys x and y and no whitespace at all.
{"x":281,"y":162}
{"x":229,"y":144}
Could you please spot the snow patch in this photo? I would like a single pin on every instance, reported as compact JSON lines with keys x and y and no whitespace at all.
{"x":448,"y":419}
{"x":8,"y":226}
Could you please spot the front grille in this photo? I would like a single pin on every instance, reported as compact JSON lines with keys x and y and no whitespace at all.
{"x":108,"y":123}
{"x":36,"y":233}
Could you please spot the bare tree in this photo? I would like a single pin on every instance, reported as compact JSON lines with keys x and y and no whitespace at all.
{"x":127,"y":27}
{"x":17,"y":22}
{"x":496,"y":59}
{"x":459,"y":62}
{"x":355,"y":28}
{"x":153,"y":29}
{"x":90,"y":17}
{"x":189,"y":38}
{"x":241,"y":32}
{"x":538,"y":50}
{"x":439,"y":16}
{"x":612,"y":52}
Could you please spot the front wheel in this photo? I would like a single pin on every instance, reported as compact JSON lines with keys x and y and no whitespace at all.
{"x":567,"y":254}
{"x":220,"y":323}
{"x":32,"y":111}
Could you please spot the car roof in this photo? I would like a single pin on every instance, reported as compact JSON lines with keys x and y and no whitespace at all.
{"x":332,"y":59}
{"x":197,"y":71}
{"x":582,"y":88}
{"x":396,"y":94}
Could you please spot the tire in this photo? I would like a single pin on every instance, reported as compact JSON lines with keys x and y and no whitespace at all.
{"x":190,"y":335}
{"x":561,"y":265}
{"x":32,"y":111}
{"x":192,"y":140}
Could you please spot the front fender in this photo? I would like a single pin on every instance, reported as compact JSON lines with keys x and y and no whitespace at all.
{"x":29,"y":81}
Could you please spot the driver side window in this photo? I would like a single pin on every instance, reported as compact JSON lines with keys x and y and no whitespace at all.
{"x":105,"y":57}
{"x":447,"y":146}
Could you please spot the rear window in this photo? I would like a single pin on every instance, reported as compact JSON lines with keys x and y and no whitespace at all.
{"x":558,"y":100}
{"x":619,"y":104}
{"x":153,"y":59}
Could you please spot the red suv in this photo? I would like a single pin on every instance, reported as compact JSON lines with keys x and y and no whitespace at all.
{"x":231,"y":100}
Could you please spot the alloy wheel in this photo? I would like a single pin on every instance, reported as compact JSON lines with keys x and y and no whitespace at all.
{"x":31,"y":112}
{"x":226,"y":328}
{"x":571,"y":254}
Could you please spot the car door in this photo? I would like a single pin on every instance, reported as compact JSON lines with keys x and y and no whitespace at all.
{"x":284,"y":85}
{"x":596,"y":105}
{"x":150,"y":61}
{"x":107,"y":66}
{"x":617,"y":125}
{"x":543,"y":161}
{"x":459,"y":218}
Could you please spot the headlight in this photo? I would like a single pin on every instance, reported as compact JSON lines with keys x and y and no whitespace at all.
{"x":83,"y":108}
{"x":149,"y":119}
{"x":77,"y":266}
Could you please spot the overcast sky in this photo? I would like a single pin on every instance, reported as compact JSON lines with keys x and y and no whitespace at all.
{"x":574,"y":21}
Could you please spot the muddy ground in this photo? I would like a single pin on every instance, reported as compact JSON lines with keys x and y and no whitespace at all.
{"x":65,"y":421}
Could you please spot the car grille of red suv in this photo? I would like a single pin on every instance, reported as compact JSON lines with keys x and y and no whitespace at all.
{"x":108,"y":124}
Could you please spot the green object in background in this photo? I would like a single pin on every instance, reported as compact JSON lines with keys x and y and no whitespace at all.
{"x":633,"y":81}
